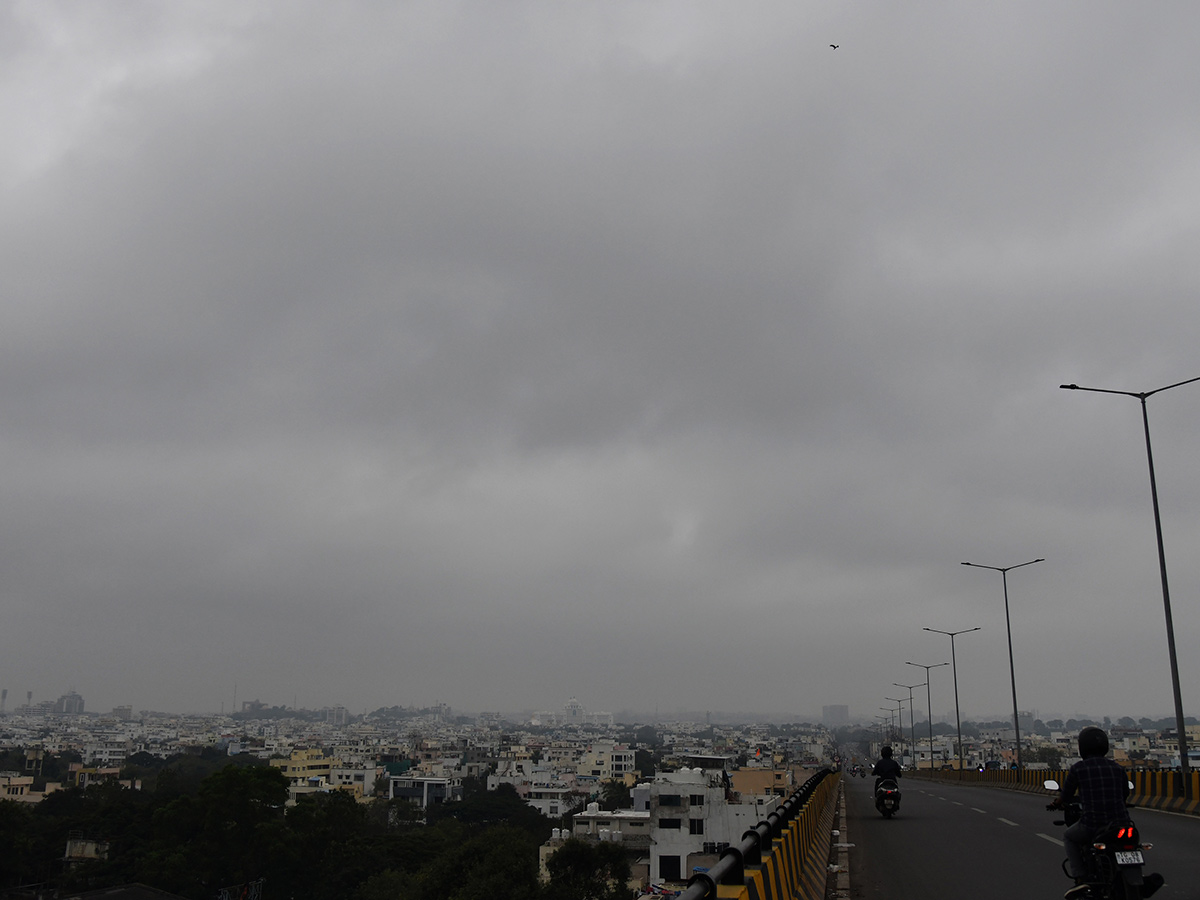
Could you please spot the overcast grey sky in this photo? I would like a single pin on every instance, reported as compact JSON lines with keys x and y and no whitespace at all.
{"x":652,"y":353}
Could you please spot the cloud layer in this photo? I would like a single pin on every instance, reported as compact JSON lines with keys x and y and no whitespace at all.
{"x":654,"y":354}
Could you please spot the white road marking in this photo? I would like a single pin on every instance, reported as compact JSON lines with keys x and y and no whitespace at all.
{"x":956,"y":803}
{"x":1007,"y":821}
{"x":978,"y":810}
{"x":1052,"y":840}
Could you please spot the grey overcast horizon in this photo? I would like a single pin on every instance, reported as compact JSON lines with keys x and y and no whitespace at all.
{"x":656,"y":354}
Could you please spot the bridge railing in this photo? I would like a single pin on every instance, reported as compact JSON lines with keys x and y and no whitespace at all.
{"x":785,"y":856}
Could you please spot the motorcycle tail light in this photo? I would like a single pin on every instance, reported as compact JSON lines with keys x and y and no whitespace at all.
{"x":1125,"y":833}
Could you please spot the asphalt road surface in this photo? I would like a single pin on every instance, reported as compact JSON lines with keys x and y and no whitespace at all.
{"x":950,"y":841}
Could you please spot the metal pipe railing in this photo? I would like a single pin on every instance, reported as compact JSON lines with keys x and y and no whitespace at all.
{"x":755,"y":845}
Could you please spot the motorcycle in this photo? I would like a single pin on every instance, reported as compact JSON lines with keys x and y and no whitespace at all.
{"x":1114,"y":859}
{"x":887,"y":797}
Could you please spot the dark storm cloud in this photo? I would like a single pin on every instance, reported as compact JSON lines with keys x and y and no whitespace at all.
{"x":496,"y":355}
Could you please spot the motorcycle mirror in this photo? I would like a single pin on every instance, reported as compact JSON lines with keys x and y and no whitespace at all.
{"x":1052,"y":785}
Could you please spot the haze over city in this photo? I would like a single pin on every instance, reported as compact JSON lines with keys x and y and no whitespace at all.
{"x":661,"y":355}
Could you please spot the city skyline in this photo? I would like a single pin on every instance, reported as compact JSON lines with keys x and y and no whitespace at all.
{"x":519,"y":713}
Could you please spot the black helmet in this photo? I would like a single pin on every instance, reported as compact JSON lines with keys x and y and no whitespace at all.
{"x":1093,"y":742}
{"x":886,"y":752}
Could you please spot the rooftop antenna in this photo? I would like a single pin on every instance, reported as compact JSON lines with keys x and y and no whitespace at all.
{"x":3,"y":700}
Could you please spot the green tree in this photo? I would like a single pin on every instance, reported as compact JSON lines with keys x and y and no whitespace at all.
{"x":647,"y":736}
{"x":387,"y":885}
{"x":18,"y":847}
{"x":1049,"y":755}
{"x":332,"y":841}
{"x":581,"y":870}
{"x":498,"y":863}
{"x":225,"y":834}
{"x":615,"y":794}
{"x":643,"y":761}
{"x":502,"y":806}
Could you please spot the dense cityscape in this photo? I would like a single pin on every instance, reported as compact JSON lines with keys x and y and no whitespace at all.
{"x":669,"y":795}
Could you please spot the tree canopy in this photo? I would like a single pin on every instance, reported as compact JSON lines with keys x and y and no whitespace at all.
{"x":193,"y":836}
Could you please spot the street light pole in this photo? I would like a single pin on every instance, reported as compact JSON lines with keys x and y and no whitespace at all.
{"x":929,"y":703}
{"x":1008,"y":624}
{"x":1184,"y":767}
{"x":891,"y":719}
{"x":899,"y":715}
{"x":912,"y":719}
{"x":954,"y":662}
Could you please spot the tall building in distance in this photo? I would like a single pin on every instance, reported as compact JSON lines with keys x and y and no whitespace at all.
{"x":70,"y":704}
{"x":573,"y":713}
{"x":833,"y":716}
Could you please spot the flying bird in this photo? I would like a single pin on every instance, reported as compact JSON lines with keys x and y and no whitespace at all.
{"x":835,"y":46}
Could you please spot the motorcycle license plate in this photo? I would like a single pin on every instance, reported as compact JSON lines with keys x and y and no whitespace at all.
{"x":1129,"y":858}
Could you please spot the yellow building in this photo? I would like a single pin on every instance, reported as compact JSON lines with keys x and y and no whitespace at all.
{"x":307,"y":767}
{"x":773,"y":782}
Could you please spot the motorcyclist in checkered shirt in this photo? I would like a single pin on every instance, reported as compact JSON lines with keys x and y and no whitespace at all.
{"x":1103,"y":787}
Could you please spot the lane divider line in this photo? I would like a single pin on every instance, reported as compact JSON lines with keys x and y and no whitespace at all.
{"x":841,"y":886}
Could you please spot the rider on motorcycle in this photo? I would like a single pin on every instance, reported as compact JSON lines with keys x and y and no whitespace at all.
{"x":1102,"y":786}
{"x":886,"y":767}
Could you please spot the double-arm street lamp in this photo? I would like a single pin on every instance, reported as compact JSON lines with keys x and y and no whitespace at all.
{"x":912,"y":719}
{"x":928,"y":703}
{"x":1004,"y":570}
{"x":899,"y":701}
{"x":1162,"y":568}
{"x":891,"y":723}
{"x":954,"y":668}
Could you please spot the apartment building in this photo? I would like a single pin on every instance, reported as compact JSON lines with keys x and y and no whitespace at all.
{"x":423,"y":790}
{"x":685,"y":818}
{"x":604,"y":762}
{"x":306,"y":767}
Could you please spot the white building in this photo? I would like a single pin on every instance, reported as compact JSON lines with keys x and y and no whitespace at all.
{"x":627,"y":826}
{"x":689,"y":818}
{"x":551,"y":800}
{"x":359,"y":780}
{"x":106,"y":752}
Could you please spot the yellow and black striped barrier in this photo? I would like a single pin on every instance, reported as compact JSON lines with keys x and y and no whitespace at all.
{"x":1151,"y":789}
{"x":784,"y":858}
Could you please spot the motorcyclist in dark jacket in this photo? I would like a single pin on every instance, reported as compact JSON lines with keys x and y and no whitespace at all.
{"x":886,"y":767}
{"x":1102,"y":786}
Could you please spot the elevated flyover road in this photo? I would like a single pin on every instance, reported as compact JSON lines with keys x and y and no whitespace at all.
{"x":950,"y":841}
